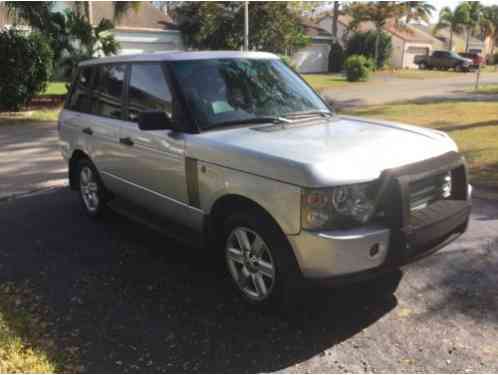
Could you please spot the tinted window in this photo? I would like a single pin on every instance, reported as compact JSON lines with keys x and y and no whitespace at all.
{"x":80,"y":97}
{"x":148,"y":90}
{"x":108,"y":87}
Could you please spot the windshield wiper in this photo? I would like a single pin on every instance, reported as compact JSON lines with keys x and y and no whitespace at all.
{"x":253,"y":120}
{"x":322,"y":113}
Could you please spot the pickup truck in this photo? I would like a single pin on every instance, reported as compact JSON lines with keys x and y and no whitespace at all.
{"x":476,"y":58}
{"x":443,"y":60}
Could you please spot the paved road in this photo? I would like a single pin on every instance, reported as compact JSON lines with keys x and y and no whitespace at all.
{"x":114,"y":296}
{"x":388,"y":89}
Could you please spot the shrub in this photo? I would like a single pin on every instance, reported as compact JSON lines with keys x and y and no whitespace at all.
{"x":336,"y":58}
{"x":26,"y":65}
{"x":363,"y":43}
{"x":495,"y":59}
{"x":358,"y":67}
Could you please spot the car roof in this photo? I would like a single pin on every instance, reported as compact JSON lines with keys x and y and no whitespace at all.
{"x":179,"y":56}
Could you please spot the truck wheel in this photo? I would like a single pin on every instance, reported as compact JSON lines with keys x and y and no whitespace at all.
{"x":259,"y":259}
{"x":92,"y":191}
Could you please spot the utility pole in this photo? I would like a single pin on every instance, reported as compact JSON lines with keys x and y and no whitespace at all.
{"x":246,"y":25}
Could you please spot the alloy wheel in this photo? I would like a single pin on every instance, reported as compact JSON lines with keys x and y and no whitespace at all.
{"x":250,"y":263}
{"x":89,"y":189}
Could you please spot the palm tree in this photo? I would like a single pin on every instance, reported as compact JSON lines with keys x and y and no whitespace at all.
{"x":488,"y":25}
{"x":454,"y":21}
{"x":474,"y":10}
{"x":34,"y":13}
{"x":418,"y":11}
{"x":87,"y":41}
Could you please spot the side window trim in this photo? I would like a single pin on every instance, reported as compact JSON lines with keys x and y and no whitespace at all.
{"x":93,"y":89}
{"x":125,"y":98}
{"x":75,"y":82}
{"x":179,"y":103}
{"x":167,"y":80}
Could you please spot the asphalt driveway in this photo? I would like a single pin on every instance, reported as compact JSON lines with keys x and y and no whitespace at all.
{"x":117,"y":297}
{"x":114,"y":296}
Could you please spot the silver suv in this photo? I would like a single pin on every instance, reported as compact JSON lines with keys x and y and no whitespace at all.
{"x":234,"y":153}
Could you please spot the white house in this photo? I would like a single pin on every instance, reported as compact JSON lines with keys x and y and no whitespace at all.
{"x":314,"y":58}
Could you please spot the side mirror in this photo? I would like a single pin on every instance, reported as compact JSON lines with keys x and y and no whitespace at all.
{"x":154,"y":120}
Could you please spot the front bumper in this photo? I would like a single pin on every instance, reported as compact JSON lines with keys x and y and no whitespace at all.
{"x":348,"y":255}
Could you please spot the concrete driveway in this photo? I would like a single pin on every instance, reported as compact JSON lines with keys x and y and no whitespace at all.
{"x":381,"y":90}
{"x":30,"y":159}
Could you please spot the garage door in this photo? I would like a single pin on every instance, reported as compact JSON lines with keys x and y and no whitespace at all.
{"x":410,"y":54}
{"x":312,"y":59}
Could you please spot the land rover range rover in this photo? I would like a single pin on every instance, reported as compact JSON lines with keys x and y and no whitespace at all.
{"x":236,"y":154}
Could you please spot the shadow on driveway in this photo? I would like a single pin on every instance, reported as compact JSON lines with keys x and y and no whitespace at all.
{"x":117,"y":297}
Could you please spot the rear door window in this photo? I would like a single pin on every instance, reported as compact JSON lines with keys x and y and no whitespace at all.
{"x":148,"y":90}
{"x":80,"y":100}
{"x":108,"y":90}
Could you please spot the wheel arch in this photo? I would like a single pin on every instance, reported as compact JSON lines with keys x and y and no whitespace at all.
{"x":76,"y":156}
{"x":228,"y":204}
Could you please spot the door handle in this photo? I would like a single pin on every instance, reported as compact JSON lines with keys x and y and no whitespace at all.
{"x":126,"y":141}
{"x":88,"y":131}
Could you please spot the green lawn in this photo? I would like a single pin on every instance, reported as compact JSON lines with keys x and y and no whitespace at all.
{"x":55,"y":88}
{"x":473,"y":125}
{"x":417,"y":74}
{"x":323,"y":81}
{"x":486,"y":89}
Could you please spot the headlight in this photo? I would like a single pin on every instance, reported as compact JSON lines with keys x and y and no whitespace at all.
{"x":338,"y":207}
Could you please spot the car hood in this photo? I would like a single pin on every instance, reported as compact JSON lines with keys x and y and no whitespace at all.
{"x":320,"y":152}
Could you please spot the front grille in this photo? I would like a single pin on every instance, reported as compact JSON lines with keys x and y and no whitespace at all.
{"x":428,"y":190}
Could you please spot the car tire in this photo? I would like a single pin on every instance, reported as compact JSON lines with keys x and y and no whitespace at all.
{"x":423,"y":66}
{"x":93,"y":195}
{"x":259,"y":259}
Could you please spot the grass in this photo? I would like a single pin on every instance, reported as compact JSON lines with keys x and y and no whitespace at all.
{"x":488,"y":89}
{"x":22,"y":333}
{"x":55,"y":88}
{"x":416,"y":74}
{"x":323,"y":81}
{"x":37,"y":115}
{"x":473,"y":125}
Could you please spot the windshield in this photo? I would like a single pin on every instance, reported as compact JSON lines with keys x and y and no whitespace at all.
{"x":223,"y":91}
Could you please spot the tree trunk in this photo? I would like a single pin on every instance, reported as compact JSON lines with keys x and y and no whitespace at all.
{"x":377,"y":46}
{"x":451,"y":41}
{"x":467,"y":39}
{"x":334,"y":20}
